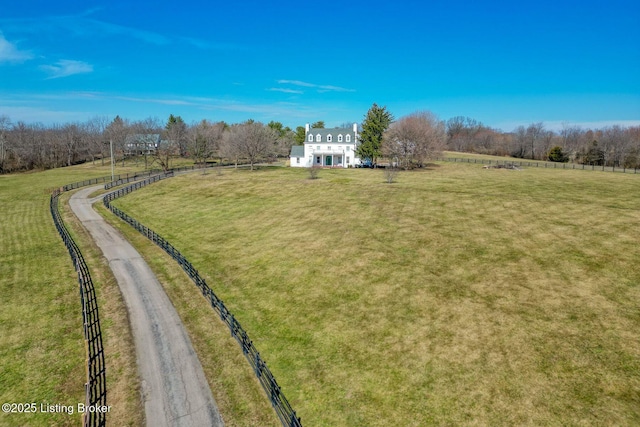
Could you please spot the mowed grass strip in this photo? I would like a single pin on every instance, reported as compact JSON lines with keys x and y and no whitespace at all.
{"x":42,"y":350}
{"x":123,"y":385}
{"x":238,"y":394}
{"x":457,"y":295}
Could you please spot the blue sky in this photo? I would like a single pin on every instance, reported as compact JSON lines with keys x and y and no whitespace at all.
{"x":504,"y":63}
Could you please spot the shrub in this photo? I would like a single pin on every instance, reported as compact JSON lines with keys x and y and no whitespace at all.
{"x":390,"y":174}
{"x":557,"y":155}
{"x":313,"y":172}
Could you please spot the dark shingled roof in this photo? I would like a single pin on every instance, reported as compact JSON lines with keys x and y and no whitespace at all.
{"x":297,"y":151}
{"x":333,"y":132}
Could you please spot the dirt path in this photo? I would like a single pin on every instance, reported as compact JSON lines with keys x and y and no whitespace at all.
{"x":175,"y":390}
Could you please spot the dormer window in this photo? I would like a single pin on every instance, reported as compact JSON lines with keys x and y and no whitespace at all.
{"x":348,"y":138}
{"x":310,"y":138}
{"x":329,"y":138}
{"x":318,"y":138}
{"x":340,"y":138}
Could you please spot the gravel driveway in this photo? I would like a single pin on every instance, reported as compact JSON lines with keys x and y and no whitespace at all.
{"x":174,"y":388}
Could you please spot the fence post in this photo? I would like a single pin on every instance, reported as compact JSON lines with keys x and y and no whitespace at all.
{"x":282,"y":407}
{"x":233,"y":326}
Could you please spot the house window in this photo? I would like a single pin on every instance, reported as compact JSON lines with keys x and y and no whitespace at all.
{"x":348,"y":138}
{"x":310,"y":138}
{"x":348,"y":148}
{"x":298,"y":160}
{"x":329,"y":138}
{"x":318,"y":148}
{"x":317,"y":159}
{"x":340,"y":138}
{"x":318,"y":138}
{"x":347,"y":159}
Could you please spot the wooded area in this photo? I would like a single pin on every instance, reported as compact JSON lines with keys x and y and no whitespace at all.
{"x":26,"y":146}
{"x":35,"y":146}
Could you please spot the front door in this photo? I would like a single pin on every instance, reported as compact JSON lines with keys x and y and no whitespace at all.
{"x":328,"y":161}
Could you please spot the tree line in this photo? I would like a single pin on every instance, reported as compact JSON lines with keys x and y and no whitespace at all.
{"x":408,"y":142}
{"x":609,"y":146}
{"x":413,"y":139}
{"x":35,"y":146}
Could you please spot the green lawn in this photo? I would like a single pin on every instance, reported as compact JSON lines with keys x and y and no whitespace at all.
{"x":42,"y":350}
{"x":457,"y":295}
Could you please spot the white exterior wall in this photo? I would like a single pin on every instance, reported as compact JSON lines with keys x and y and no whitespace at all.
{"x":336,"y":149}
{"x":294,"y":163}
{"x":311,"y":152}
{"x":343,"y":150}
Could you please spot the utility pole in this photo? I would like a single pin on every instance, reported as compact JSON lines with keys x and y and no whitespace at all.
{"x":112,"y":167}
{"x":4,"y":125}
{"x":1,"y":152}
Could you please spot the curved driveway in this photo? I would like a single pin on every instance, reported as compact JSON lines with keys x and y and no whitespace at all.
{"x":174,"y":389}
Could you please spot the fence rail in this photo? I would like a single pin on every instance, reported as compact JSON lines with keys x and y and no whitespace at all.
{"x":96,"y":384}
{"x":281,"y":405}
{"x":539,"y":164}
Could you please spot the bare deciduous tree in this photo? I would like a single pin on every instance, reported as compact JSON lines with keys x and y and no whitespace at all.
{"x":251,"y":140}
{"x":116,"y":133}
{"x":5,"y":125}
{"x":228,"y":147}
{"x":94,"y":129}
{"x":390,"y":173}
{"x":414,"y":139}
{"x":534,"y":134}
{"x":204,"y":140}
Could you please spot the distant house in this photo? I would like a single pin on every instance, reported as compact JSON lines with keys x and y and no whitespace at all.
{"x":141,"y":143}
{"x":334,"y":148}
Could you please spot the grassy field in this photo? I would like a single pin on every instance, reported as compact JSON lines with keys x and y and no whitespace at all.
{"x":42,"y":354}
{"x":238,"y":394}
{"x":456,"y":295}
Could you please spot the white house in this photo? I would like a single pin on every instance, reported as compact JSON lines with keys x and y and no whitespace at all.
{"x":334,"y":148}
{"x":141,"y":143}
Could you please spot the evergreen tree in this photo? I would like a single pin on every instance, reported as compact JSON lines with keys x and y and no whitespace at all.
{"x":278,"y":128}
{"x":594,"y":155}
{"x":375,"y":124}
{"x":300,"y":135}
{"x":557,"y":155}
{"x":176,"y":132}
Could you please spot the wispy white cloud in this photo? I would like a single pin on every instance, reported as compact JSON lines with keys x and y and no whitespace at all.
{"x":66,"y":67}
{"x":42,"y":114}
{"x":285,"y":90}
{"x":82,"y":25}
{"x":11,"y":54}
{"x":60,"y":107}
{"x":210,"y":104}
{"x":154,"y":100}
{"x":319,"y":88}
{"x":143,"y":35}
{"x":85,"y":24}
{"x":296,"y":83}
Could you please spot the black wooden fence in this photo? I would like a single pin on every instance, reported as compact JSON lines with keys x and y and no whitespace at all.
{"x":540,"y":164}
{"x":279,"y":402}
{"x":96,"y":385}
